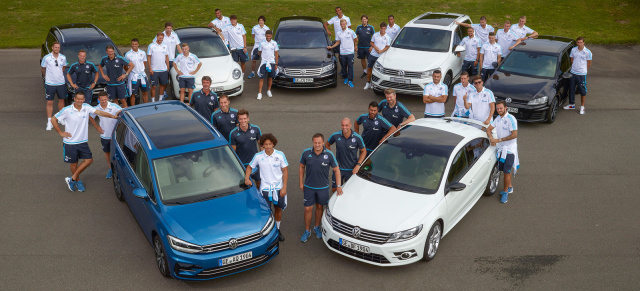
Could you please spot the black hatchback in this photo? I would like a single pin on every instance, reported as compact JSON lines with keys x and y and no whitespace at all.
{"x":76,"y":36}
{"x":305,"y":61}
{"x":534,"y":78}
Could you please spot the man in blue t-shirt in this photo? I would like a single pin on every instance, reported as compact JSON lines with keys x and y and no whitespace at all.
{"x":86,"y":76}
{"x":364,"y":33}
{"x":350,"y":151}
{"x":116,"y":75}
{"x":244,"y":140}
{"x":225,"y":118}
{"x":393,"y":110}
{"x":375,"y":128}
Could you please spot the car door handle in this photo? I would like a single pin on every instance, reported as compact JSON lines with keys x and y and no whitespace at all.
{"x":471,"y":182}
{"x":131,"y":183}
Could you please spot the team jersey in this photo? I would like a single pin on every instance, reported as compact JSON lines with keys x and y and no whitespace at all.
{"x":138,"y":59}
{"x":317,"y":167}
{"x":114,"y":68}
{"x":270,"y":168}
{"x":335,"y":21}
{"x":506,"y":40}
{"x":373,"y":129}
{"x":347,"y":149}
{"x":268,"y":52}
{"x":107,"y":124}
{"x":483,"y":33}
{"x":380,"y":41}
{"x":459,"y":91}
{"x":76,"y":122}
{"x":171,"y":42}
{"x":393,"y":31}
{"x":490,"y":54}
{"x":365,"y":33}
{"x":346,"y":38}
{"x":259,"y":34}
{"x":204,"y":103}
{"x":504,"y":125}
{"x":471,"y":46}
{"x":580,"y":60}
{"x":396,"y":114}
{"x":225,"y":121}
{"x":480,"y":104}
{"x":234,"y":34}
{"x":437,"y":90}
{"x":54,"y":74}
{"x":187,"y":64}
{"x":221,"y":23}
{"x":85,"y":73}
{"x":520,"y":32}
{"x":158,"y":53}
{"x":246,"y":142}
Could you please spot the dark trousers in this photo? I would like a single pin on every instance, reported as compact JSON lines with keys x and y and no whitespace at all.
{"x":346,"y":64}
{"x":470,"y":68}
{"x":486,"y":73}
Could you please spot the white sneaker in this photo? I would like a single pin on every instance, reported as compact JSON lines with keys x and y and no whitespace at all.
{"x":570,"y":106}
{"x":49,"y":125}
{"x":582,"y":110}
{"x":269,"y":93}
{"x":259,"y":96}
{"x":367,"y":86}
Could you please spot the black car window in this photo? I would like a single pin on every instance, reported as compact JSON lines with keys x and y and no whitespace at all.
{"x":129,"y":148}
{"x":50,"y":39}
{"x":120,"y":128}
{"x":530,"y":64}
{"x":95,"y":51}
{"x":459,"y":166}
{"x":143,"y":171}
{"x":301,"y":38}
{"x":423,"y":39}
{"x":207,"y":47}
{"x":475,"y":149}
{"x":566,"y":62}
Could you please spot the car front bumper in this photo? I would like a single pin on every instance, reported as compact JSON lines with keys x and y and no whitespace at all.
{"x":527,"y":113}
{"x":230,"y":87}
{"x":320,"y":81}
{"x":412,"y":86}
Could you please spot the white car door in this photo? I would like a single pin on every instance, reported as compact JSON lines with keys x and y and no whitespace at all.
{"x":458,"y":200}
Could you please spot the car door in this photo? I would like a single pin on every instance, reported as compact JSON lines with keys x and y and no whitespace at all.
{"x":563,"y":83}
{"x":456,"y":199}
{"x":456,"y":62}
{"x":142,"y":180}
{"x":479,"y":170}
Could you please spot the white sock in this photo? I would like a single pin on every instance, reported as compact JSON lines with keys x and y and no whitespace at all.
{"x":153,"y":99}
{"x":49,"y":119}
{"x":278,"y":224}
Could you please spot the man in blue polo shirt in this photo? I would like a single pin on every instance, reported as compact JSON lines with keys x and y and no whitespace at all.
{"x":244,"y":140}
{"x":116,"y":75}
{"x":364,"y":32}
{"x":350,"y":151}
{"x":225,"y":118}
{"x":204,"y":101}
{"x":52,"y":69}
{"x":580,"y":63}
{"x":393,"y":110}
{"x":86,"y":76}
{"x":375,"y":128}
{"x":346,"y":39}
{"x":316,"y":163}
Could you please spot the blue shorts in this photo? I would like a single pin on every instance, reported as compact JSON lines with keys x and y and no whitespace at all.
{"x":160,"y":78}
{"x":254,"y":54}
{"x":88,"y":94}
{"x":73,"y":152}
{"x":187,"y":83}
{"x":363,"y":53}
{"x":239,"y":56}
{"x":106,"y":145}
{"x":262,"y":72}
{"x":578,"y":82}
{"x":371,"y":60}
{"x":507,"y":164}
{"x":316,"y":196}
{"x":117,"y":91}
{"x":51,"y":91}
{"x":344,"y":176}
{"x":281,"y":203}
{"x":137,"y":86}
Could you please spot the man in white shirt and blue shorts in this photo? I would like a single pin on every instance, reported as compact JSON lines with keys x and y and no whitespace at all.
{"x":236,"y":35}
{"x":258,"y":32}
{"x":106,"y":127}
{"x":186,"y":65}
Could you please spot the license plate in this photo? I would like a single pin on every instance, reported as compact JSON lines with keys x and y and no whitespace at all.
{"x":217,"y":89}
{"x":355,"y":246}
{"x":303,"y":80}
{"x":512,"y":110}
{"x":400,"y":80}
{"x":235,"y":259}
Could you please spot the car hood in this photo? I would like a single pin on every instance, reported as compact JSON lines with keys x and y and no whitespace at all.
{"x":380,"y":208}
{"x":218,"y":68}
{"x":411,"y":60}
{"x":219,"y":219}
{"x":518,"y":87}
{"x":304,"y":58}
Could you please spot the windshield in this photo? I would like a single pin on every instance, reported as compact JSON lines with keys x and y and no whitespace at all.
{"x":531,"y":64}
{"x":95,"y":51}
{"x":301,"y":38}
{"x":404,"y":168}
{"x":209,"y":47}
{"x":423,"y":39}
{"x":199,"y":175}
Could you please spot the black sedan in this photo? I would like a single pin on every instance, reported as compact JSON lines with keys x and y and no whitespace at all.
{"x":534,"y":78}
{"x":304,"y":60}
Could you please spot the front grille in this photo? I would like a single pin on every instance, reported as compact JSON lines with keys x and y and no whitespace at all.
{"x":365,"y":234}
{"x":302,"y":72}
{"x":401,"y":73}
{"x":375,"y":78}
{"x":317,"y":83}
{"x":401,"y":86}
{"x":513,"y":101}
{"x":233,"y":268}
{"x":369,"y":257}
{"x":230,"y":91}
{"x":221,"y":246}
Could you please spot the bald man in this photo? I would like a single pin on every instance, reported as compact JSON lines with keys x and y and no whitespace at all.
{"x":350,"y":151}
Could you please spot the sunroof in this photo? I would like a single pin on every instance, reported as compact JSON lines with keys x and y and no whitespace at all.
{"x":174,"y":128}
{"x":437,"y":19}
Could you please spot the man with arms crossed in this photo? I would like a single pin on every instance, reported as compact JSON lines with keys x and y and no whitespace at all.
{"x":268,"y":52}
{"x":347,"y":40}
{"x":350,"y":151}
{"x":186,"y":65}
{"x":380,"y":43}
{"x":158,"y":58}
{"x":375,"y":128}
{"x":434,"y":96}
{"x":106,"y":126}
{"x":137,"y":81}
{"x":580,"y":63}
{"x":507,"y":130}
{"x":86,"y":76}
{"x":481,"y":102}
{"x":52,"y":69}
{"x":116,"y":75}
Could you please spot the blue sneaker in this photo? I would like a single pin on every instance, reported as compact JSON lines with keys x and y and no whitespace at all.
{"x":305,"y":236}
{"x":350,"y":84}
{"x":503,"y":197}
{"x":71,"y":184}
{"x":79,"y":186}
{"x":109,"y":174}
{"x":318,"y":231}
{"x":346,"y":81}
{"x":510,"y":190}
{"x":251,"y":75}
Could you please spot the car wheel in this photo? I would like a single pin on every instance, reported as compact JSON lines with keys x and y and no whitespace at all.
{"x":378,"y":92}
{"x":448,"y":80}
{"x":494,"y":180}
{"x":552,"y":112}
{"x":433,"y":242}
{"x":161,"y":257}
{"x":116,"y":186}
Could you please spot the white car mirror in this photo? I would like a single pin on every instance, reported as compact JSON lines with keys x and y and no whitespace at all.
{"x":460,"y":49}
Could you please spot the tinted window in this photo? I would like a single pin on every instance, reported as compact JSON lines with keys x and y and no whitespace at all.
{"x":130,"y":150}
{"x":174,"y":128}
{"x":143,"y":171}
{"x":206,"y":47}
{"x":95,"y":51}
{"x":458,"y":167}
{"x":50,"y":40}
{"x":423,"y":39}
{"x":475,"y":149}
{"x":566,"y":62}
{"x":120,"y":129}
{"x":531,"y":64}
{"x":301,"y":38}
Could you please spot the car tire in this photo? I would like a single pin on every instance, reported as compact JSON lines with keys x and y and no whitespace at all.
{"x":117,"y":188}
{"x":378,"y":92}
{"x":433,"y":242}
{"x":334,"y":84}
{"x":448,"y":80}
{"x":494,"y":180}
{"x":552,"y":112}
{"x":170,"y":92}
{"x":161,"y":257}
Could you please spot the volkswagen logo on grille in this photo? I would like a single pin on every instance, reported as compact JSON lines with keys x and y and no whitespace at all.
{"x":304,"y":72}
{"x":233,"y":243}
{"x":400,"y":73}
{"x":508,"y":100}
{"x":356,"y":232}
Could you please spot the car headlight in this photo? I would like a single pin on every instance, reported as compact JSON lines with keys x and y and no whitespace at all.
{"x":405,"y":234}
{"x":183,"y":246}
{"x":538,"y":101}
{"x":237,"y":74}
{"x":268,"y":227}
{"x":378,"y":67}
{"x":327,"y":215}
{"x":428,"y":73}
{"x":327,"y":69}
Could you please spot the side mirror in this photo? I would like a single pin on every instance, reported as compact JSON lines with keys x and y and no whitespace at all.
{"x":140,"y":193}
{"x":567,"y":75}
{"x":457,"y":186}
{"x":460,"y":49}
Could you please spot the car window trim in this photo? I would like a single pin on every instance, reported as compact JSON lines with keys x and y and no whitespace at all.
{"x":151,"y":183}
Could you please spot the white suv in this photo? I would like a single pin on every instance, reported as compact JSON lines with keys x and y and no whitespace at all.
{"x":425,"y":44}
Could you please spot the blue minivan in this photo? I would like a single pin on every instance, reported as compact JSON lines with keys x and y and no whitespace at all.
{"x":184,"y":185}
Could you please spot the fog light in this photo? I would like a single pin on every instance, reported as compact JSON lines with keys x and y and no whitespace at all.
{"x":405,"y":255}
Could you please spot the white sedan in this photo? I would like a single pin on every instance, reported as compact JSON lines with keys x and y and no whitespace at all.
{"x":216,"y":61}
{"x":411,"y":191}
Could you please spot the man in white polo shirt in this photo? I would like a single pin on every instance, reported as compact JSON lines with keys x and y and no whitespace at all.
{"x":268,"y":52}
{"x":434,"y":96}
{"x":106,"y":126}
{"x":380,"y":43}
{"x":137,"y":81}
{"x":258,"y":32}
{"x":347,"y":40}
{"x":52,"y":68}
{"x":472,"y":45}
{"x":75,"y":137}
{"x":506,"y":38}
{"x":506,"y":141}
{"x":580,"y":63}
{"x":392,"y":29}
{"x":236,"y":35}
{"x":481,"y":102}
{"x":274,"y":173}
{"x":172,"y":41}
{"x":482,"y":30}
{"x":186,"y":66}
{"x":490,"y":56}
{"x":219,"y":22}
{"x":335,"y":21}
{"x":158,"y":59}
{"x":521,"y":30}
{"x":461,"y":91}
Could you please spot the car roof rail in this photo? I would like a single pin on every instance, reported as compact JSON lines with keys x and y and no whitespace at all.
{"x":454,"y":21}
{"x":206,"y":122}
{"x":418,"y":17}
{"x":467,"y":121}
{"x":144,"y":134}
{"x":60,"y":32}
{"x":99,"y":30}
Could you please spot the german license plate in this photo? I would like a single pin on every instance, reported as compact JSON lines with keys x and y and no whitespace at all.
{"x":401,"y":80}
{"x":235,"y":259}
{"x":355,"y":246}
{"x":303,"y":80}
{"x":217,"y":89}
{"x":512,"y":109}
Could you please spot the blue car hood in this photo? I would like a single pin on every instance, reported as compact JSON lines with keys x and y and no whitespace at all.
{"x":219,"y":219}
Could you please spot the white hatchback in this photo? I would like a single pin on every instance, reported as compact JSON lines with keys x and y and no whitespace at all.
{"x":411,"y":191}
{"x":425,"y":44}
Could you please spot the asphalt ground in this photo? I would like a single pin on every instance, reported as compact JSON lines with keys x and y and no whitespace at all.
{"x":572,"y":222}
